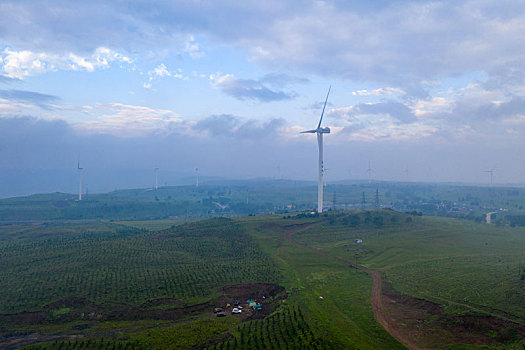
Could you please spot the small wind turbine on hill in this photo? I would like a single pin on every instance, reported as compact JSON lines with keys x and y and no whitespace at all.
{"x":369,"y":172}
{"x":196,"y":177}
{"x":156,"y":178}
{"x":491,"y":172}
{"x":320,"y":131}
{"x":79,"y":180}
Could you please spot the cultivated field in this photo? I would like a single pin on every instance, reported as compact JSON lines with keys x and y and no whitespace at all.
{"x":413,"y":281}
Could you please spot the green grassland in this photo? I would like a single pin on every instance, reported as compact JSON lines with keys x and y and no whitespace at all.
{"x":343,"y":317}
{"x":459,"y":264}
{"x":464,"y":266}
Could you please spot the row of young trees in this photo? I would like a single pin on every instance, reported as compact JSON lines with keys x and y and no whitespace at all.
{"x":284,"y":329}
{"x":188,"y":263}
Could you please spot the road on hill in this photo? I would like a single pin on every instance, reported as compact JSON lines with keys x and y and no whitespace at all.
{"x":376,"y":297}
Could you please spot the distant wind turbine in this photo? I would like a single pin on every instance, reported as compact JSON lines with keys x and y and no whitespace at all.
{"x":320,"y":131}
{"x":156,"y":178}
{"x":491,"y":172}
{"x":196,"y":177}
{"x":369,"y":171}
{"x":79,"y":180}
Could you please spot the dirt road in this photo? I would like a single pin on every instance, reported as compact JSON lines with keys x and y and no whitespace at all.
{"x":376,"y":298}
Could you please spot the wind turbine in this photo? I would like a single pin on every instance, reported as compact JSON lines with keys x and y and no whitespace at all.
{"x":491,"y":172}
{"x":196,"y":177}
{"x":156,"y":178}
{"x":320,"y":131}
{"x":79,"y":180}
{"x":369,"y":171}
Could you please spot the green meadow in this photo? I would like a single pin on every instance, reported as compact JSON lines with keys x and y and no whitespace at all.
{"x":459,"y":264}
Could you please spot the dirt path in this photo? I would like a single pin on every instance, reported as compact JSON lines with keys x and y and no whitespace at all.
{"x":376,"y":297}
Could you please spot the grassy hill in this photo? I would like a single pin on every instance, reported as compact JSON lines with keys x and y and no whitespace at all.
{"x":456,"y":263}
{"x":154,"y":284}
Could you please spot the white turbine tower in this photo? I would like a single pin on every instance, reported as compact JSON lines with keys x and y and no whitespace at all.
{"x":196,"y":177}
{"x":79,"y":181}
{"x":156,"y":178}
{"x":320,"y":131}
{"x":369,"y":171}
{"x":491,"y":172}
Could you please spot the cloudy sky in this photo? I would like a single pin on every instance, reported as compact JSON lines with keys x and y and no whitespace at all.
{"x":424,"y":90}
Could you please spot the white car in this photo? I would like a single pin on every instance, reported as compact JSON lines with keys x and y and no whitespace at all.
{"x":236,"y":311}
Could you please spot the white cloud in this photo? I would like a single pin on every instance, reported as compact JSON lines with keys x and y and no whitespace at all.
{"x":432,"y":106}
{"x":161,"y":71}
{"x":20,"y":64}
{"x":129,"y":121}
{"x":379,"y":92}
{"x":192,"y":48}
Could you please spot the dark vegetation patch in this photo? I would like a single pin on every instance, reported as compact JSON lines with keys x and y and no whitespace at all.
{"x":359,"y":219}
{"x":253,"y":291}
{"x":82,"y":309}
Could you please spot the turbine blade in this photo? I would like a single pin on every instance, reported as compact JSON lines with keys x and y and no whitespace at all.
{"x":308,"y":132}
{"x":321,"y":120}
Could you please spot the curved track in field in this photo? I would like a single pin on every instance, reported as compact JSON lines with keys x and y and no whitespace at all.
{"x":376,"y":297}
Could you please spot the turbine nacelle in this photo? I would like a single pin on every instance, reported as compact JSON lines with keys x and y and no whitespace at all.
{"x":321,"y":130}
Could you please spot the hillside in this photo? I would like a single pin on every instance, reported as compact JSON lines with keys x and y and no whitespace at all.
{"x":131,"y":285}
{"x":258,"y":197}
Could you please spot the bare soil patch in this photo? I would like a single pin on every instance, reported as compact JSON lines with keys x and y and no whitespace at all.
{"x":430,"y":327}
{"x":266,"y":294}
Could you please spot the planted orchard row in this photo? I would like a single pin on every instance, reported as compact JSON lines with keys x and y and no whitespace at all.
{"x":187,"y":264}
{"x":284,"y":329}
